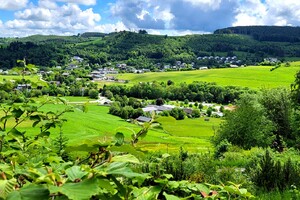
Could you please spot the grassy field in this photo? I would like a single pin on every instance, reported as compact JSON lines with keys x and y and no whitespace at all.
{"x":252,"y":77}
{"x":33,"y":78}
{"x":97,"y":125}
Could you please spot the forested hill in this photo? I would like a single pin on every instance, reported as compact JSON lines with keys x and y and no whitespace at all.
{"x":143,"y":50}
{"x":265,"y":33}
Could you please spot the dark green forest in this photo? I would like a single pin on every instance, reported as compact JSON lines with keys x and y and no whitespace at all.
{"x":141,"y":50}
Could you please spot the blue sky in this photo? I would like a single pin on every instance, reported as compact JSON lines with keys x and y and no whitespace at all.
{"x":20,"y":18}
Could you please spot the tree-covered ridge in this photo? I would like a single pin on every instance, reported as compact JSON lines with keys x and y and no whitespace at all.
{"x":146,"y":51}
{"x":265,"y":33}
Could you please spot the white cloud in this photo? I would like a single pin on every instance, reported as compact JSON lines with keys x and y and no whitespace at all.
{"x":279,"y":12}
{"x":83,"y":2}
{"x":47,"y":4}
{"x":214,"y":4}
{"x":13,"y":4}
{"x":174,"y":32}
{"x":108,"y":28}
{"x":58,"y":20}
{"x":195,"y":15}
{"x":36,"y":14}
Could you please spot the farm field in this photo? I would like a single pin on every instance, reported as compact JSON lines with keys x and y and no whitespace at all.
{"x":252,"y":76}
{"x":97,"y":125}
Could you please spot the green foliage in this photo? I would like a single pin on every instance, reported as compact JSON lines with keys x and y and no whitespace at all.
{"x":271,"y":175}
{"x":93,"y":94}
{"x":221,"y":148}
{"x":246,"y":126}
{"x":296,"y":90}
{"x":278,"y":109}
{"x":145,"y":50}
{"x":196,"y":113}
{"x":196,"y":91}
{"x":177,"y":113}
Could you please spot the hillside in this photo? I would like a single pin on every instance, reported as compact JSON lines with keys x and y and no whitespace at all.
{"x":145,"y":51}
{"x":265,"y":33}
{"x":254,"y":77}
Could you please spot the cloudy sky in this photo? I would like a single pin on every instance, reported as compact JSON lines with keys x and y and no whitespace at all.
{"x":173,"y":17}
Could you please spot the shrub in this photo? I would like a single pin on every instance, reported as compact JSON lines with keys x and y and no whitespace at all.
{"x":93,"y":94}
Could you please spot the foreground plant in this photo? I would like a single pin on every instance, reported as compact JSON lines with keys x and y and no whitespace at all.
{"x":32,"y":168}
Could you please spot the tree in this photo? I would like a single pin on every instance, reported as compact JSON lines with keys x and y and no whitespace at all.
{"x":25,"y":68}
{"x":93,"y":94}
{"x":296,"y":91}
{"x":196,"y":113}
{"x":143,"y":31}
{"x":177,"y":113}
{"x":247,"y":126}
{"x":209,"y":111}
{"x":278,"y":108}
{"x":159,"y":102}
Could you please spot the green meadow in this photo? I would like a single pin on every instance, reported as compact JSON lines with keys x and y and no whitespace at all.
{"x":33,"y":78}
{"x":252,"y":76}
{"x":97,"y":125}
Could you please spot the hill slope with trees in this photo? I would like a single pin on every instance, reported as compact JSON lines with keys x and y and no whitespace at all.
{"x":141,"y":50}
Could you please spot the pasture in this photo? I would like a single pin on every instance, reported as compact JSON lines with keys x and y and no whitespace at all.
{"x":33,"y":78}
{"x":97,"y":125}
{"x":252,"y":76}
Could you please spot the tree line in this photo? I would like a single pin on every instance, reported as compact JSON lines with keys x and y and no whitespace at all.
{"x":196,"y":91}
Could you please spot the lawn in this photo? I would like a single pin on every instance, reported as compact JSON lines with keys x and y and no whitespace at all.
{"x":97,"y":125}
{"x":252,"y":76}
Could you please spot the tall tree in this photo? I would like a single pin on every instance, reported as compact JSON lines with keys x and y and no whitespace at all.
{"x":247,"y":126}
{"x":278,"y":107}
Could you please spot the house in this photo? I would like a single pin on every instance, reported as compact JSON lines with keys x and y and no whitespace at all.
{"x":72,"y":67}
{"x":144,"y":119}
{"x":271,"y":60}
{"x":178,"y":63}
{"x":157,"y":109}
{"x":146,"y":70}
{"x":149,"y":109}
{"x":65,"y":74}
{"x":23,"y":87}
{"x":203,"y":68}
{"x":77,"y":58}
{"x":217,"y":114}
{"x":188,"y":111}
{"x":138,"y":71}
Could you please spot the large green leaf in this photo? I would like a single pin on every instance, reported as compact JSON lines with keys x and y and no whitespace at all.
{"x":146,"y":193}
{"x":16,"y":133}
{"x":126,"y":148}
{"x":75,"y":173}
{"x":121,"y":168}
{"x":171,"y":197}
{"x":125,"y":158}
{"x":120,"y":138}
{"x":6,"y":187}
{"x":17,"y":112}
{"x":31,"y":192}
{"x":77,"y":191}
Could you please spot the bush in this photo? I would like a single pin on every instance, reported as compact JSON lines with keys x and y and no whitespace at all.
{"x":196,"y":113}
{"x":93,"y":94}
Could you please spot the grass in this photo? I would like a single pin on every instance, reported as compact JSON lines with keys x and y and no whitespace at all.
{"x":252,"y":77}
{"x":97,"y":125}
{"x":32,"y":78}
